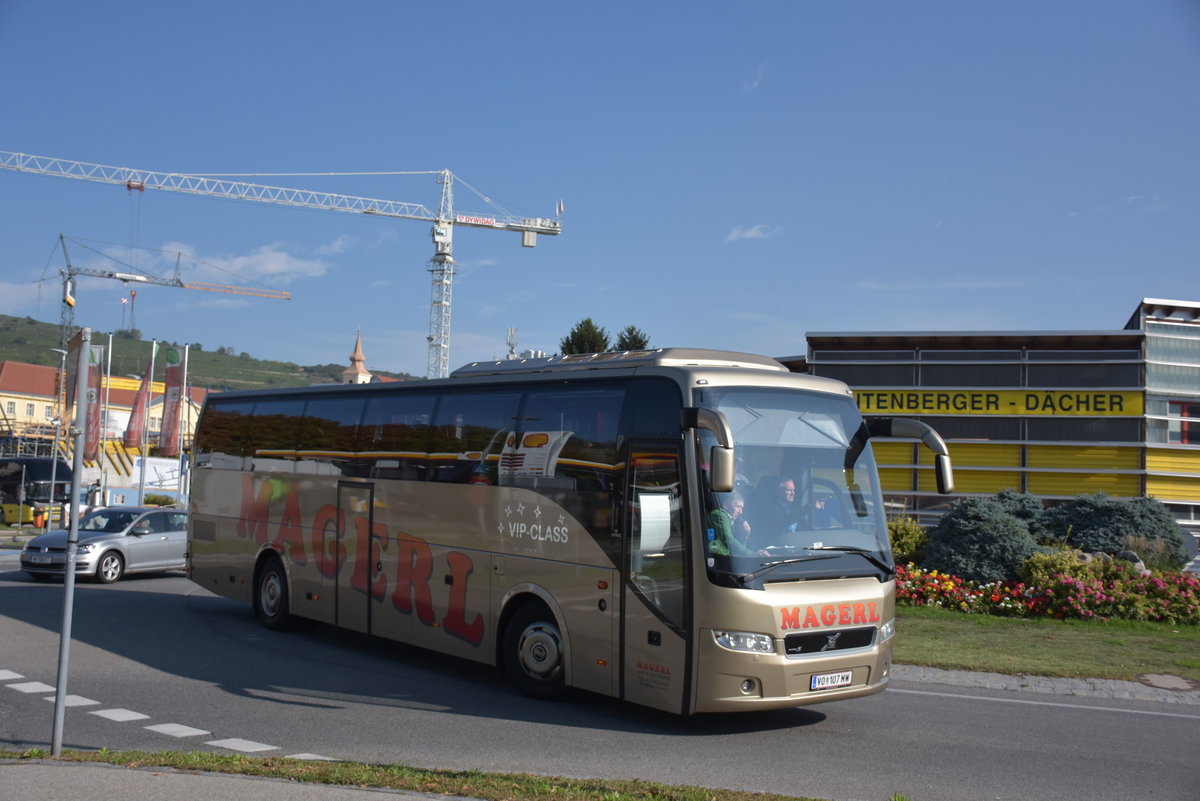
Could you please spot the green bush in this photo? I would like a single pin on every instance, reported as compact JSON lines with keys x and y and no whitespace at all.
{"x":1024,"y":506}
{"x":908,"y":539}
{"x":1046,"y":563}
{"x":1099,"y":523}
{"x":979,"y":540}
{"x":154,"y":499}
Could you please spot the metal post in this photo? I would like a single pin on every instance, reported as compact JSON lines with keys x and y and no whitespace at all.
{"x":79,"y":432}
{"x":59,"y":409}
{"x":104,"y":426}
{"x":146,"y":424}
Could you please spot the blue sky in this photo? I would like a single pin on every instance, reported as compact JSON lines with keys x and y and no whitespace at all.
{"x":734,"y":175}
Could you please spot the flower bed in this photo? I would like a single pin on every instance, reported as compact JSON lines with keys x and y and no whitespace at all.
{"x":1112,"y":590}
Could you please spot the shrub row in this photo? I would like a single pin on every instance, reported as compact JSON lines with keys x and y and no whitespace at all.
{"x":1098,"y":590}
{"x":990,"y":539}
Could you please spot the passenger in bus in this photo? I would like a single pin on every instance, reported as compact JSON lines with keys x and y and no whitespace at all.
{"x":728,"y":529}
{"x":774,"y":513}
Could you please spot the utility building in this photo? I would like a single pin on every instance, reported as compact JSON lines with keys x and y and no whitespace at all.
{"x":1052,"y":413}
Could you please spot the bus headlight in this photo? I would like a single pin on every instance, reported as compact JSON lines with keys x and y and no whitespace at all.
{"x":887,"y":631}
{"x":745,"y":641}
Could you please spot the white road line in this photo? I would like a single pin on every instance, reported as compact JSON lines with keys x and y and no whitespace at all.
{"x":31,"y":687}
{"x":73,"y":700}
{"x":8,"y":675}
{"x":245,"y":746}
{"x":176,"y":730}
{"x":119,"y":715}
{"x":1046,"y":703}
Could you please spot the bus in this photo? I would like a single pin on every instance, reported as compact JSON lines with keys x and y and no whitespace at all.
{"x":559,"y":517}
{"x":25,"y":492}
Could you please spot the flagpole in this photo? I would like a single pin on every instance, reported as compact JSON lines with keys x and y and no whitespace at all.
{"x":104,"y":427}
{"x":146,"y":424}
{"x":186,"y":400}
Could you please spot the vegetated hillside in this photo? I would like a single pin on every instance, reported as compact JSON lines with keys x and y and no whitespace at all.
{"x":24,"y":339}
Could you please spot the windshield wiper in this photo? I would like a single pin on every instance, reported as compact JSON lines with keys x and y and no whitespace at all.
{"x":767,"y":567}
{"x":863,"y":552}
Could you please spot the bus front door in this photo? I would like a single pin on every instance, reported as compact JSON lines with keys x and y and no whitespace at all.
{"x":654,"y":650}
{"x":356,"y":518}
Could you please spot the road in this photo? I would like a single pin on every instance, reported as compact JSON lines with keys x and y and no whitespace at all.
{"x":160,"y":664}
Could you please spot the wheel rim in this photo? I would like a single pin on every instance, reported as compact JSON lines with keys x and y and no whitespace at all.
{"x":539,"y":651}
{"x":271,"y":594}
{"x":110,"y":568}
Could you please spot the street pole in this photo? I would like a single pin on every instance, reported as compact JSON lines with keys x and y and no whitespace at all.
{"x":146,"y":424}
{"x":104,"y":427}
{"x":79,"y":432}
{"x":59,"y":409}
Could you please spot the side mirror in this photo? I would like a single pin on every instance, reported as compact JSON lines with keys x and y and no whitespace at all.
{"x":945,"y":474}
{"x":140,"y":531}
{"x":721,"y":469}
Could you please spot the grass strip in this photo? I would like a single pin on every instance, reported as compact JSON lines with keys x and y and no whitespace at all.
{"x":470,"y":784}
{"x":1113,"y":649}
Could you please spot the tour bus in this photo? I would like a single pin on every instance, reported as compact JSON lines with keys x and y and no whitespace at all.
{"x":562,"y":518}
{"x":25,"y":495}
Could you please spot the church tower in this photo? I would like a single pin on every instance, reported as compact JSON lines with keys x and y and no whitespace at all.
{"x":357,"y":372}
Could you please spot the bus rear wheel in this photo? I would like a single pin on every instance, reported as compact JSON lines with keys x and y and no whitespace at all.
{"x":533,"y":652}
{"x":271,"y":595}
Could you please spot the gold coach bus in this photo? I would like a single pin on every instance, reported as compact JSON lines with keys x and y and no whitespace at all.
{"x":565,"y":518}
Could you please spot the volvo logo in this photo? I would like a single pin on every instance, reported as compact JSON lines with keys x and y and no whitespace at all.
{"x":831,"y":641}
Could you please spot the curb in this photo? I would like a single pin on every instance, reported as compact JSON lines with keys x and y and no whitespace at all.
{"x":1046,"y":685}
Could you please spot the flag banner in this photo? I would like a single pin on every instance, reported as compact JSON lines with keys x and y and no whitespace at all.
{"x":137,"y":417}
{"x":168,"y":437}
{"x":91,"y":441}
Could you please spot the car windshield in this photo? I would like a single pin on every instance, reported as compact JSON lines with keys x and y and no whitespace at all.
{"x":805,"y":500}
{"x":106,"y":520}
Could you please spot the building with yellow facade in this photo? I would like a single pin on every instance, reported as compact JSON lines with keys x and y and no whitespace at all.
{"x":1052,"y":413}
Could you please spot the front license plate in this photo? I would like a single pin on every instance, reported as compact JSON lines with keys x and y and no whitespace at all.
{"x":827,"y":681}
{"x":39,"y":559}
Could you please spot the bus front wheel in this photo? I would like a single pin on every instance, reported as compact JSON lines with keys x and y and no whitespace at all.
{"x":271,"y":595}
{"x":533,"y":652}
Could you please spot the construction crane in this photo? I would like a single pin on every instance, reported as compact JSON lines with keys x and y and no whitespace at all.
{"x":70,"y":272}
{"x":444,"y":220}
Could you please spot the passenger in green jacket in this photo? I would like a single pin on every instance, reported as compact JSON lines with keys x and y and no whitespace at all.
{"x":728,"y":528}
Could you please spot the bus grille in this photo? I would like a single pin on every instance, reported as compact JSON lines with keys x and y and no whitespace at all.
{"x":828,"y":641}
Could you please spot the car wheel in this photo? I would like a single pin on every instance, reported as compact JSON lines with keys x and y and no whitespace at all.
{"x":533,"y":652}
{"x":271,"y":595}
{"x":110,"y":568}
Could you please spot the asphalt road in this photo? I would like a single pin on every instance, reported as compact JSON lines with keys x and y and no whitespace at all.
{"x":160,"y":664}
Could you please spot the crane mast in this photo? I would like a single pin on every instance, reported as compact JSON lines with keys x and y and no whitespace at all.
{"x":444,"y":220}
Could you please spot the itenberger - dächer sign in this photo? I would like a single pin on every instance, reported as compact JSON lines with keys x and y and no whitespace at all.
{"x":1082,"y":402}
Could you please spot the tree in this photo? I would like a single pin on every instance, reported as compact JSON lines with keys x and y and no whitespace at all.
{"x":585,"y":337}
{"x":633,"y":338}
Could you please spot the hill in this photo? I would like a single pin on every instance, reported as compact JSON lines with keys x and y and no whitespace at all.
{"x":24,"y":339}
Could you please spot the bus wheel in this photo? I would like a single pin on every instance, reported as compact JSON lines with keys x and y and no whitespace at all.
{"x":533,"y":654}
{"x":271,"y":595}
{"x":110,"y":568}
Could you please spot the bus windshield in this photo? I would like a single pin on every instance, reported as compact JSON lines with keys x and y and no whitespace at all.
{"x":806,"y":502}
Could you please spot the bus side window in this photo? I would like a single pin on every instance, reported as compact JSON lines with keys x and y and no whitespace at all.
{"x":274,"y":434}
{"x":393,"y":439}
{"x":468,"y":434}
{"x":328,"y":432}
{"x":222,"y":437}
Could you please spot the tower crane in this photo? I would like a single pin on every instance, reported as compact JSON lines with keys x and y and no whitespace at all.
{"x":71,"y":271}
{"x":444,"y":220}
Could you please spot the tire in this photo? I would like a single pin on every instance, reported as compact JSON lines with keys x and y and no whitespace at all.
{"x":533,"y":652}
{"x":109,"y":567}
{"x":271,"y":595}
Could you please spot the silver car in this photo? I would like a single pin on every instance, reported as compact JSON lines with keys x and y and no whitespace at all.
{"x":112,"y":542}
